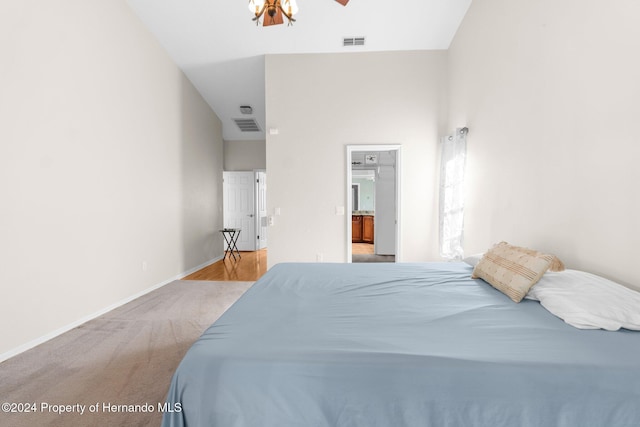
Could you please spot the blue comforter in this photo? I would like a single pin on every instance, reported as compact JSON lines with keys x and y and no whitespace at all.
{"x":400,"y":345}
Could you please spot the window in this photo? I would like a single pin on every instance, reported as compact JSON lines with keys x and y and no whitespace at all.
{"x":452,"y":166}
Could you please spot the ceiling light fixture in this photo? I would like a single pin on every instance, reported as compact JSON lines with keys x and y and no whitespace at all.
{"x":274,"y":10}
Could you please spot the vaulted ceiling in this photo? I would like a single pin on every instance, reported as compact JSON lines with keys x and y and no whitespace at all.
{"x":221,"y":50}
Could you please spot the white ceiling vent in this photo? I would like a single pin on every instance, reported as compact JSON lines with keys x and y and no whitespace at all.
{"x":353,"y":41}
{"x":247,"y":125}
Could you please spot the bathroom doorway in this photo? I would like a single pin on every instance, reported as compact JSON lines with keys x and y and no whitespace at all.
{"x":373,"y":203}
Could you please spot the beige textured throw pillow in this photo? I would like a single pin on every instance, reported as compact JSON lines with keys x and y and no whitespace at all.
{"x":511,"y":270}
{"x":554,"y":262}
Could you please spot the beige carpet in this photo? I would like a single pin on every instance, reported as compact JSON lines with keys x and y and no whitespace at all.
{"x":125,"y":357}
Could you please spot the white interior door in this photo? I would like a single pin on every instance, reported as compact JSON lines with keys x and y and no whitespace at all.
{"x":261,"y":204}
{"x":385,"y":203}
{"x":238,"y":192}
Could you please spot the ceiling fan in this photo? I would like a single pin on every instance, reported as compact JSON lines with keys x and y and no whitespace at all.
{"x":274,"y":10}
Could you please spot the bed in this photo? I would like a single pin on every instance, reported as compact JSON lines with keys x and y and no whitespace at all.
{"x":400,"y":345}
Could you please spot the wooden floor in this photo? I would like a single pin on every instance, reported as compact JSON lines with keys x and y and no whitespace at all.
{"x":250,"y":267}
{"x":361,"y":248}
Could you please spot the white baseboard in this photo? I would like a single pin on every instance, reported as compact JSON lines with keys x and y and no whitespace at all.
{"x":199,"y":267}
{"x":62,"y":330}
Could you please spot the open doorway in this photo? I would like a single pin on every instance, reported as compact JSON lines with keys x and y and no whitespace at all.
{"x":373,"y":203}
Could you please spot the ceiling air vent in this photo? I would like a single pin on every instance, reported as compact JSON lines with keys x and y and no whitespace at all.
{"x":353,"y":41}
{"x":247,"y":125}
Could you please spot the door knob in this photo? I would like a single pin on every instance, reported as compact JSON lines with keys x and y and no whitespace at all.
{"x":250,"y":215}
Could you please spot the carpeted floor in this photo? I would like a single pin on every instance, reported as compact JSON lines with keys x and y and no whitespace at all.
{"x":125,"y":357}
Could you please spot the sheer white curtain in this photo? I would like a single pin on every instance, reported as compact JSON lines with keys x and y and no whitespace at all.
{"x":452,"y":165}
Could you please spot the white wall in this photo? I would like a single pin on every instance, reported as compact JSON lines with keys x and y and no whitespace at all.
{"x":108,"y":158}
{"x":550,"y":93}
{"x":322,"y":102}
{"x":244,"y":155}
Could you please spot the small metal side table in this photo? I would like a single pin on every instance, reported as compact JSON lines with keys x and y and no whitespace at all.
{"x":231,"y":239}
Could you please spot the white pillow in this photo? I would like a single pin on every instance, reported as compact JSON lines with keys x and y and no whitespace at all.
{"x":472,"y":260}
{"x":587,"y":301}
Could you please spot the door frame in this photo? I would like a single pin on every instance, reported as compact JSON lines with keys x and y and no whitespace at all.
{"x":382,"y":147}
{"x":261,"y":242}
